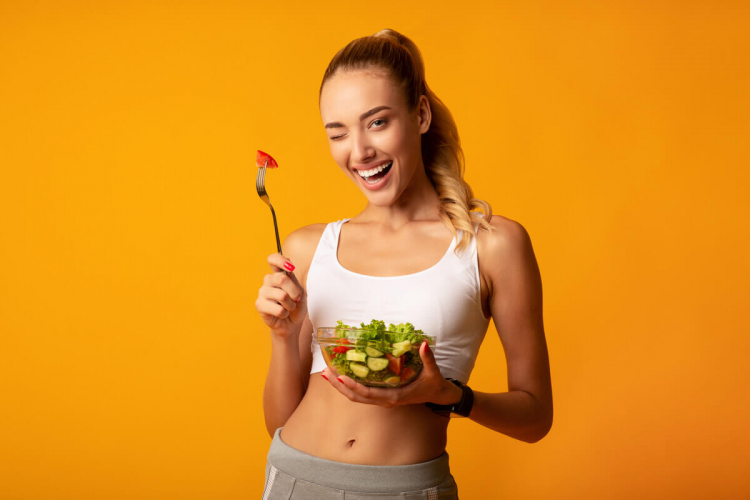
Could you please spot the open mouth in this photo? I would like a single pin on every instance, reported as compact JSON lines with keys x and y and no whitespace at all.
{"x":373,"y":175}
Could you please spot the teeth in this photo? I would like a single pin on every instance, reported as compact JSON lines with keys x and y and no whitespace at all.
{"x":373,"y":171}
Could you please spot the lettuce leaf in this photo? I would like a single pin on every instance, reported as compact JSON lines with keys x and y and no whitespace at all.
{"x":378,"y":336}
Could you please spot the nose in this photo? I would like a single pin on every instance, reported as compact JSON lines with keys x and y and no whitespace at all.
{"x":362,"y":150}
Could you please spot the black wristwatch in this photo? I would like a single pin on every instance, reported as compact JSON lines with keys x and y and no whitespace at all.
{"x":460,"y":409}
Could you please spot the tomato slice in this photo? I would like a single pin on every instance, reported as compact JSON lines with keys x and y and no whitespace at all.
{"x":341,"y":349}
{"x":260,"y":160}
{"x":395,"y":364}
{"x":407,"y":374}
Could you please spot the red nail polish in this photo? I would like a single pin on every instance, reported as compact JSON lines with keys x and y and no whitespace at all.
{"x":288,"y":266}
{"x":324,"y":376}
{"x":339,"y":379}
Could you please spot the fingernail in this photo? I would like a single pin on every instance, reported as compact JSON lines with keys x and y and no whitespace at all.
{"x":297,"y":300}
{"x":288,"y":266}
{"x":324,"y":376}
{"x":339,"y":379}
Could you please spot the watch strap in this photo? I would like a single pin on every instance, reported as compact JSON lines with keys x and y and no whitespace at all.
{"x":460,"y":409}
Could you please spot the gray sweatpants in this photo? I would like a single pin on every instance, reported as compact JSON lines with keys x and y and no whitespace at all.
{"x":292,"y":475}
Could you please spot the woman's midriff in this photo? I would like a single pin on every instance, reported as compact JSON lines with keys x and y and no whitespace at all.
{"x":328,"y":425}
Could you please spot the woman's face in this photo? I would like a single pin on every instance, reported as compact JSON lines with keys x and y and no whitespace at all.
{"x":372,"y":135}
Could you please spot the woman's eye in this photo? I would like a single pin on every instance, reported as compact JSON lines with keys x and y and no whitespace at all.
{"x":379,"y":120}
{"x":336,"y":137}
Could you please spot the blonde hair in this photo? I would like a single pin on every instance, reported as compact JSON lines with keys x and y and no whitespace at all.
{"x":442,"y":154}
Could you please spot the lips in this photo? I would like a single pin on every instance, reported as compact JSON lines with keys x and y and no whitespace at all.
{"x":366,"y":174}
{"x":379,"y":179}
{"x":362,"y":168}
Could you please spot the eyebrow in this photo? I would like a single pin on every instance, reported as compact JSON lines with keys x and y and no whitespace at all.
{"x":361,"y":117}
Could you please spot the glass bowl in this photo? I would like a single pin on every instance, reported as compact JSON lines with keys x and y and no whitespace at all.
{"x":373,"y":358}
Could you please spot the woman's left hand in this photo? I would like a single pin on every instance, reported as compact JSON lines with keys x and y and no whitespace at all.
{"x":429,"y":386}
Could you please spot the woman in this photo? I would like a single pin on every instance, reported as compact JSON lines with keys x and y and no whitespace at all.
{"x":399,"y":144}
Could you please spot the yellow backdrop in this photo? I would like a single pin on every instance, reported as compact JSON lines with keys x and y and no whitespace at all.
{"x":132,"y":242}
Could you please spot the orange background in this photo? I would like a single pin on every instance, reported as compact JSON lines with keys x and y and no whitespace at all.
{"x":132,"y":242}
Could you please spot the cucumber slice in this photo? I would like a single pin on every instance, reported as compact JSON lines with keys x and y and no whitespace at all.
{"x":377,"y":364}
{"x":370,"y":351}
{"x":352,"y":355}
{"x":359,"y":369}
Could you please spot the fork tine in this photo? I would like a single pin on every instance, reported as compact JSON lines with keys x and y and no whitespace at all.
{"x":260,"y":180}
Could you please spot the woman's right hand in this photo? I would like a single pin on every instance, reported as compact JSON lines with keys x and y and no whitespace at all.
{"x":281,"y":300}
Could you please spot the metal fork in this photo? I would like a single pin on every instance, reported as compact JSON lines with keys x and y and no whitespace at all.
{"x":260,"y":186}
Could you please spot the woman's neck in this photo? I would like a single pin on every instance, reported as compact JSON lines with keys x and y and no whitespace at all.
{"x":418,"y":202}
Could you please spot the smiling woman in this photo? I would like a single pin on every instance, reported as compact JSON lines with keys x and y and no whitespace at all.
{"x":393,"y":68}
{"x":419,"y":253}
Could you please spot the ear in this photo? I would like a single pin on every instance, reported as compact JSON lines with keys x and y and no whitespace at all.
{"x":424,"y":114}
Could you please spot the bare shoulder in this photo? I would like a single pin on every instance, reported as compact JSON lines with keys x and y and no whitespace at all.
{"x":505,"y":248}
{"x":299,"y":246}
{"x":507,"y":235}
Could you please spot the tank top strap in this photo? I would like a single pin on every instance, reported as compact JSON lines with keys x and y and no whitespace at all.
{"x":328,"y":245}
{"x":469,"y":253}
{"x":468,"y":260}
{"x":336,"y":228}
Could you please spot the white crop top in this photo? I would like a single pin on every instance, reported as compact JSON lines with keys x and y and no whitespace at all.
{"x":443,"y":300}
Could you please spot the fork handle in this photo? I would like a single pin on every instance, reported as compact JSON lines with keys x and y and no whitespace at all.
{"x":276,"y":228}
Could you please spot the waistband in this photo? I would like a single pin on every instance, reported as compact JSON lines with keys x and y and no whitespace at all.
{"x":356,"y":477}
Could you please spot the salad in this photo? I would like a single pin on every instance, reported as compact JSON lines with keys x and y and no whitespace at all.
{"x":372,"y":354}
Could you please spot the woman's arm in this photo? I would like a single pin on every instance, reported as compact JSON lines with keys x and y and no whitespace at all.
{"x":515,"y":302}
{"x":286,"y":381}
{"x":291,"y":358}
